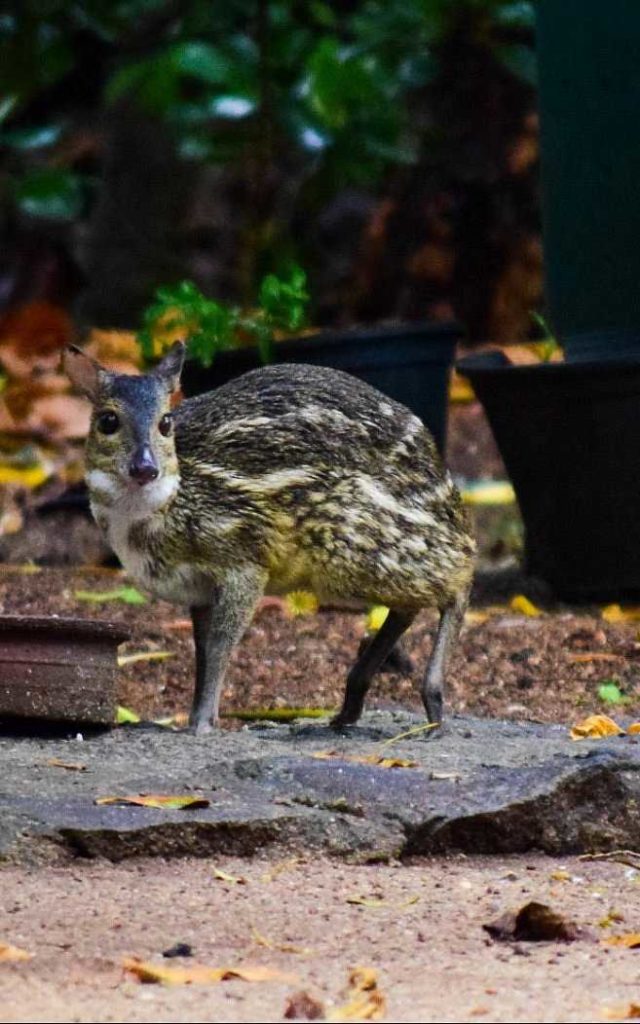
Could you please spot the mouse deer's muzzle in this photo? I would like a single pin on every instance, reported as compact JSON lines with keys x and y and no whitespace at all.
{"x":143,"y":467}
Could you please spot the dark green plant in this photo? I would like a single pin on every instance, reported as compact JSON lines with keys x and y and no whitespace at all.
{"x":210,"y":327}
{"x":249,"y":78}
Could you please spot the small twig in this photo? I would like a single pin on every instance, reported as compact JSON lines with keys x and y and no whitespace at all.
{"x":411,"y":732}
{"x":619,"y":856}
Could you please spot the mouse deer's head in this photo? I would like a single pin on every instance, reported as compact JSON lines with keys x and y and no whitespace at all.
{"x":130,"y":447}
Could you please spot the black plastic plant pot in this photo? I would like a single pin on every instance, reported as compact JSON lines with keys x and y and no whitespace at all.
{"x":612,"y":345}
{"x":569,"y":434}
{"x":409,"y":362}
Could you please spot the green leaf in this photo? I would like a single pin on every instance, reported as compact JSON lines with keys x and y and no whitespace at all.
{"x":233,"y":108}
{"x":125,"y":716}
{"x":50,"y":192}
{"x":32,"y":138}
{"x":609,"y":693}
{"x":7,"y":106}
{"x":521,"y":61}
{"x":201,"y":60}
{"x":127,"y":594}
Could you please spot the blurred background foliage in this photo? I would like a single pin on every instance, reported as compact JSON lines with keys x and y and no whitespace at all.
{"x":388,"y":146}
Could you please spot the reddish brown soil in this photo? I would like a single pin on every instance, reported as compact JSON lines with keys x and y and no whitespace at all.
{"x":510,"y":665}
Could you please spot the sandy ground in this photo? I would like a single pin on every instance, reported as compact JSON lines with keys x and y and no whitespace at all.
{"x":433,"y":959}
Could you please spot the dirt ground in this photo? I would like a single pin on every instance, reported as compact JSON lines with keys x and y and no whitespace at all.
{"x":425,"y":940}
{"x":433,"y":959}
{"x":547,"y":668}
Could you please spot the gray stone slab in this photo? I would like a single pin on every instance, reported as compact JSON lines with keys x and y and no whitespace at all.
{"x":482,"y":786}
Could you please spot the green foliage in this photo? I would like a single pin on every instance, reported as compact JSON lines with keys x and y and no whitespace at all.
{"x":333,"y":88}
{"x":302,"y":100}
{"x":609,"y":692}
{"x":129,"y":595}
{"x":211,"y":327}
{"x":49,"y":192}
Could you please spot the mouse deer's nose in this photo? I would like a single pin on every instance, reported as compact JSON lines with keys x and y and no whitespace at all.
{"x":143,"y":468}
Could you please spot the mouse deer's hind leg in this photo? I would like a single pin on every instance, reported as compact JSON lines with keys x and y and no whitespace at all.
{"x":371,"y":659}
{"x":451,"y":619}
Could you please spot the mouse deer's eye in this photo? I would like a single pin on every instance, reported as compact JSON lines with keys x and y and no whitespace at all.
{"x":108,"y":422}
{"x":165,"y":424}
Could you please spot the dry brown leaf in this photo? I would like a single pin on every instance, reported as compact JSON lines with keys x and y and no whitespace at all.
{"x":13,"y":954}
{"x":117,"y":350}
{"x":630,"y":940}
{"x":70,"y":766}
{"x":282,"y":947}
{"x":199,"y":974}
{"x":290,"y":864}
{"x":302,"y":1006}
{"x":588,"y":656}
{"x":534,"y":922}
{"x":364,"y":1000}
{"x":35,"y":330}
{"x":628,"y":1011}
{"x":375,"y":759}
{"x":166,"y":802}
{"x":595,"y":727}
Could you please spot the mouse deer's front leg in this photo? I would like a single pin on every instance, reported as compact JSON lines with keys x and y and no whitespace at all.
{"x":217,"y":628}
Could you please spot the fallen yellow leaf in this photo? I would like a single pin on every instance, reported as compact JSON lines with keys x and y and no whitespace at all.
{"x":177,"y":721}
{"x":560,"y":876}
{"x":489,"y":492}
{"x":373,"y":902}
{"x":300,"y":602}
{"x":474,"y":617}
{"x":282,"y":947}
{"x":277,"y":714}
{"x":630,"y":940}
{"x":222,"y":876}
{"x":198,"y":974}
{"x":13,"y":954}
{"x":614,"y":613}
{"x":365,"y":1001}
{"x":24,"y":476}
{"x":595,"y":727}
{"x":132,"y":659}
{"x":125,"y":716}
{"x":634,"y":729}
{"x":164,"y":802}
{"x":290,"y":864}
{"x":376,"y":617}
{"x":613,"y":917}
{"x":523,"y":606}
{"x":460,"y":390}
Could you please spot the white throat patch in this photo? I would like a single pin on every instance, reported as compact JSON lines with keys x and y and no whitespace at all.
{"x":129,"y":501}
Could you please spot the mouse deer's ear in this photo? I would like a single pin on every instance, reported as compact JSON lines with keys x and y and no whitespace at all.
{"x":170,"y":368}
{"x":83,"y":371}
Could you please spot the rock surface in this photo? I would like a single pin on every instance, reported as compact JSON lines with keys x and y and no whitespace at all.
{"x":482,"y":786}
